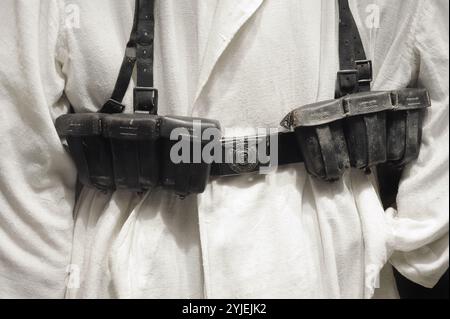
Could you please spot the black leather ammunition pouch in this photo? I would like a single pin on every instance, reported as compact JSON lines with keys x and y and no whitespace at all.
{"x":360,"y":130}
{"x":365,"y":127}
{"x":321,"y":138}
{"x":90,"y":150}
{"x":404,"y":125}
{"x":189,"y":173}
{"x":133,"y":151}
{"x":134,"y":140}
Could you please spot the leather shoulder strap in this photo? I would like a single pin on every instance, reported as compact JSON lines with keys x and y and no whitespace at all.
{"x":140,"y":49}
{"x":145,"y":95}
{"x":355,"y":73}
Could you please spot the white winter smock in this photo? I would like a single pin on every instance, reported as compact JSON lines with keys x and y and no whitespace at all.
{"x":246,"y":63}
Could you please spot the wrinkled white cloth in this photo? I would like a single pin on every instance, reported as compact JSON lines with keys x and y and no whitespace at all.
{"x":37,"y":177}
{"x":246,"y":63}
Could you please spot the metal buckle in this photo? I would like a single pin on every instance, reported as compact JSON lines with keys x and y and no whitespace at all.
{"x":350,"y":81}
{"x":364,"y":69}
{"x":242,"y":155}
{"x":145,"y":100}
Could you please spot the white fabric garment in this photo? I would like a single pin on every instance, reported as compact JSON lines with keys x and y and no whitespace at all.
{"x":36,"y":175}
{"x":246,"y":63}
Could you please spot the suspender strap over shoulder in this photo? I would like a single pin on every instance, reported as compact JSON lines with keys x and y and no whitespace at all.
{"x":355,"y":73}
{"x":145,"y":95}
{"x":140,"y":51}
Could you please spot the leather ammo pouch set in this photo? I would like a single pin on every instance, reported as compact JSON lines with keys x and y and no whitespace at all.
{"x":359,"y":130}
{"x":131,"y":151}
{"x":112,"y":150}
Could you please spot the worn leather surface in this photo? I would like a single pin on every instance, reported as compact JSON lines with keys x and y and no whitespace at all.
{"x":331,"y":135}
{"x":360,"y":130}
{"x":355,"y":73}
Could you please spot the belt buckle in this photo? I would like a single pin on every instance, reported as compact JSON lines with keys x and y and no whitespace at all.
{"x":244,"y":155}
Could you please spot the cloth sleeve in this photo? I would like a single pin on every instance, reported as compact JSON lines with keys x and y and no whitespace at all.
{"x":420,"y":224}
{"x":37,"y":177}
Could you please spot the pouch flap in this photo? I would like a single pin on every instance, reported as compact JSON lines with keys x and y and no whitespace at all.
{"x":193,"y":125}
{"x":131,"y":126}
{"x":315,"y":114}
{"x":83,"y":124}
{"x":411,"y":99}
{"x":367,"y":102}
